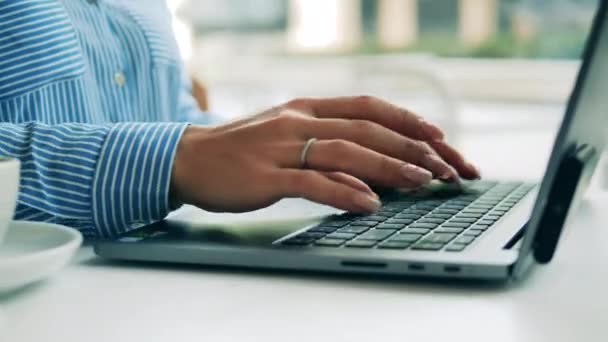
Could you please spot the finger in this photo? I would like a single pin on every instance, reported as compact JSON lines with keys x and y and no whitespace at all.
{"x":351,"y":181}
{"x":316,"y":187}
{"x":363,"y":163}
{"x":381,"y":140}
{"x":373,"y":109}
{"x":453,"y":157}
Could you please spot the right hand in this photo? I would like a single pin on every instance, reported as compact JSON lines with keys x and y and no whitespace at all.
{"x":251,"y":163}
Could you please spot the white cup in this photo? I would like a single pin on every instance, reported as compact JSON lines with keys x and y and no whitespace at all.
{"x":9,"y":188}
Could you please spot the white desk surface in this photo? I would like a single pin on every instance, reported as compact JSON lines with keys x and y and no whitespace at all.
{"x":95,"y":301}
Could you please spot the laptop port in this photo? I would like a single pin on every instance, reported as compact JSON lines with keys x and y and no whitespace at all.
{"x":415,"y":267}
{"x":452,"y":269}
{"x":366,"y":264}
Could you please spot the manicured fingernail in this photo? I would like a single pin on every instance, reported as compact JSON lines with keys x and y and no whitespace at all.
{"x":367,"y":203}
{"x":441,"y":164}
{"x":475,"y":170}
{"x":416,"y":174}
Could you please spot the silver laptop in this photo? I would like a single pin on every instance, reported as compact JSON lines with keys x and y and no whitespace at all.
{"x":489,"y":230}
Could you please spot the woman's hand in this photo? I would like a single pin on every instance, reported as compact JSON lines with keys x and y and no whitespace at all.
{"x":251,"y":163}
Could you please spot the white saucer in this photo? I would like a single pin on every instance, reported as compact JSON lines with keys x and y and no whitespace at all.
{"x":33,"y":251}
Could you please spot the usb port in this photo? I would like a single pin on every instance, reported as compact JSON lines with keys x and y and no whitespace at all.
{"x":415,"y":267}
{"x":452,"y":269}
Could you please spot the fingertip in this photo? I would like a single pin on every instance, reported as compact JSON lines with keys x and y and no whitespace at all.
{"x":474,"y":170}
{"x":366,"y":203}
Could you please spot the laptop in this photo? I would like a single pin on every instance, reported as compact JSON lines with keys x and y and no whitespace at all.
{"x":490,"y":230}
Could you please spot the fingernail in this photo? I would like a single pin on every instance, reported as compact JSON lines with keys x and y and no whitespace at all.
{"x":367,"y":203}
{"x":475,"y":169}
{"x":416,"y":174}
{"x":440,"y":163}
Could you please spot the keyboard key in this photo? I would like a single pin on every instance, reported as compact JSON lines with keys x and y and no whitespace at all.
{"x":492,"y":217}
{"x":311,"y":235}
{"x":406,"y":237}
{"x":449,"y":230}
{"x":373,"y":218}
{"x":384,"y":214}
{"x":474,"y":211}
{"x":390,"y":226}
{"x":480,"y":227}
{"x":395,"y":245}
{"x":407,"y":216}
{"x":456,"y":225}
{"x":424,"y":225}
{"x":399,"y":221}
{"x":361,"y":243}
{"x":452,"y":206}
{"x":393,"y":210}
{"x":298,"y":241}
{"x":323,"y":229}
{"x":416,"y":212}
{"x":337,"y":224}
{"x":431,"y":220}
{"x":329,"y":242}
{"x":428,"y":246}
{"x":469,"y":215}
{"x":473,"y":232}
{"x":486,"y":222}
{"x":463,"y":200}
{"x":376,"y":234}
{"x":465,"y":239}
{"x":340,"y":236}
{"x":498,"y":212}
{"x":450,"y":212}
{"x":353,"y":229}
{"x":439,"y":216}
{"x":364,"y":223}
{"x":463,"y":220}
{"x":410,"y":230}
{"x":439,"y":237}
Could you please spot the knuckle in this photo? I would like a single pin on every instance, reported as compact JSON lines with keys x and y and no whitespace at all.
{"x":365,"y":100}
{"x":417,"y":150}
{"x":339,"y":146}
{"x":384,"y":164}
{"x":363,"y":128}
{"x":286,"y":119}
{"x":299,"y":102}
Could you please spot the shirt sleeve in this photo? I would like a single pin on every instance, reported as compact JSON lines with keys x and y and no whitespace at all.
{"x":102,"y":179}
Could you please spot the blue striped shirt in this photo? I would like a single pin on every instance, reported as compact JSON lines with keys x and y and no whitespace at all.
{"x":93,"y":101}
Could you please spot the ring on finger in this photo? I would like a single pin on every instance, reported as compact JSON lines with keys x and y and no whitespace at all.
{"x":304,"y":153}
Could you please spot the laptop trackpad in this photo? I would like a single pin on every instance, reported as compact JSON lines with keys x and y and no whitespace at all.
{"x":260,"y":227}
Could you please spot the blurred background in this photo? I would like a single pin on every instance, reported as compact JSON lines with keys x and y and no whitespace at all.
{"x":480,"y":68}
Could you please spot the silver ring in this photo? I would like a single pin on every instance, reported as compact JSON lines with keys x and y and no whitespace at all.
{"x":305,"y":150}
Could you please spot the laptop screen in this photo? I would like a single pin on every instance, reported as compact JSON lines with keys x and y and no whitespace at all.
{"x":576,"y":150}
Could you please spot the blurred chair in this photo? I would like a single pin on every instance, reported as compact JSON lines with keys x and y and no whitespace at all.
{"x":199,"y":91}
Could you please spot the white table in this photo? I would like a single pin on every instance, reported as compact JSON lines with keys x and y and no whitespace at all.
{"x":96,"y":301}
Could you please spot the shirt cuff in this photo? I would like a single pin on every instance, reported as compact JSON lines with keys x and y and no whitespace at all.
{"x":133,"y":175}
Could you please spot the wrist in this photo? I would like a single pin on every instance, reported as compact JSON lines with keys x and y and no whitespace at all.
{"x":178,"y":183}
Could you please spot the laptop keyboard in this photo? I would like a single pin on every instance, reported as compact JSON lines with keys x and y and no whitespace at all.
{"x":442,"y":221}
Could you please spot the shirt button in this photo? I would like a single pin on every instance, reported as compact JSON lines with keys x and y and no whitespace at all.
{"x":119,"y":78}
